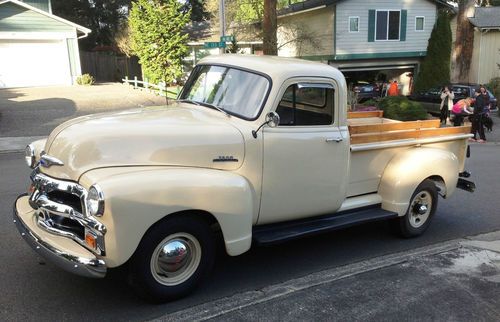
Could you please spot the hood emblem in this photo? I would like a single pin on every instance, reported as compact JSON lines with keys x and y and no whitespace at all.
{"x":47,"y":161}
{"x":225,"y":158}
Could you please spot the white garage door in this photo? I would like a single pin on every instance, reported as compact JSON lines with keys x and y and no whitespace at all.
{"x":26,"y":63}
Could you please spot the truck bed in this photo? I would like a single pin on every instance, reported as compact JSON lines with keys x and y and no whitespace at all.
{"x":375,"y":140}
{"x":372,"y":127}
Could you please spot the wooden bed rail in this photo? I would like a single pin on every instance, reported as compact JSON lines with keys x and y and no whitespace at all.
{"x":397,"y":126}
{"x":363,"y":114}
{"x":416,"y":133}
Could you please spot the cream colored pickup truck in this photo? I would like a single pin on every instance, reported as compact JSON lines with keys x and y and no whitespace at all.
{"x":258,"y":150}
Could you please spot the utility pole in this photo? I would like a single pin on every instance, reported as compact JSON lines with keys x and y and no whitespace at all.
{"x":222,"y":21}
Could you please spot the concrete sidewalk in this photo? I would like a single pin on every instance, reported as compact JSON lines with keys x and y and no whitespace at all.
{"x":457,"y":280}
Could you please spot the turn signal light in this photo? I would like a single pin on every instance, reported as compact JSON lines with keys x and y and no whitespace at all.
{"x":90,"y":240}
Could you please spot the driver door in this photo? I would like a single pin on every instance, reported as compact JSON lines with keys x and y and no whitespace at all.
{"x":305,"y":167}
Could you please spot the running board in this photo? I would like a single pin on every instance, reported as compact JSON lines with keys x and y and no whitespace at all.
{"x":282,"y":232}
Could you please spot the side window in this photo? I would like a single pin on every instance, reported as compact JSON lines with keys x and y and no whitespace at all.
{"x":306,"y":104}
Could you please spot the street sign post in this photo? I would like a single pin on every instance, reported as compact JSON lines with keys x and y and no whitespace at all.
{"x":227,"y":38}
{"x":214,"y":44}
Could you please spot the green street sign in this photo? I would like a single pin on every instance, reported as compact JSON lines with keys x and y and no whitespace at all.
{"x":227,"y":38}
{"x":214,"y":44}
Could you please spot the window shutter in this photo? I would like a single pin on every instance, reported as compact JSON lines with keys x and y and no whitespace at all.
{"x":371,"y":25}
{"x":404,"y":14}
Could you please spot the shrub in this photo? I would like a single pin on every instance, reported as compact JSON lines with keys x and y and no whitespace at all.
{"x":85,"y":79}
{"x":435,"y":69}
{"x":494,"y":86}
{"x":402,"y":109}
{"x":371,"y":102}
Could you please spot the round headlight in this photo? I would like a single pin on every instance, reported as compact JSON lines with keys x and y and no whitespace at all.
{"x":29,"y":155}
{"x":95,"y":201}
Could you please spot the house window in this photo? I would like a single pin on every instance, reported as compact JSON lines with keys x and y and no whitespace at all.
{"x":353,"y":24}
{"x":387,"y":24}
{"x":419,"y":23}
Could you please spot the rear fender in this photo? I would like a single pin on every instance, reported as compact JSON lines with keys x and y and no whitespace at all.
{"x":408,"y":169}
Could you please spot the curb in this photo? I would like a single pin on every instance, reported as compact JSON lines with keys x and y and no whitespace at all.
{"x":220,"y":307}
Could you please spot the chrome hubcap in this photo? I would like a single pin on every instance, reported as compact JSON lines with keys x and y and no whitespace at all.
{"x":175,"y":259}
{"x":420,"y":209}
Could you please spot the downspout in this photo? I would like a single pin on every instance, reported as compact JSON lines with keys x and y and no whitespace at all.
{"x":479,"y":58}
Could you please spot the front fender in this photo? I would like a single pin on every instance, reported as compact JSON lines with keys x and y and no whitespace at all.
{"x":137,"y":199}
{"x":408,"y":169}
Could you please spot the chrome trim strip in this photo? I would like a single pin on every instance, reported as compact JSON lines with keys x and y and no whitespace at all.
{"x":83,"y":266}
{"x":47,"y":161}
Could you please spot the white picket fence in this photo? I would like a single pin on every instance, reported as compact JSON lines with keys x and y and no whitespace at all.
{"x":160,"y":88}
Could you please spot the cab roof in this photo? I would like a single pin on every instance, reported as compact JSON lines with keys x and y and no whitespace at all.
{"x":277,"y":68}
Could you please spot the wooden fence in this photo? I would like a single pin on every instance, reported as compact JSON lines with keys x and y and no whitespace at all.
{"x":108,"y":67}
{"x":160,"y":88}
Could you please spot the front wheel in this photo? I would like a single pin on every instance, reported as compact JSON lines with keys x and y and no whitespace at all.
{"x":172,"y":259}
{"x":423,"y":204}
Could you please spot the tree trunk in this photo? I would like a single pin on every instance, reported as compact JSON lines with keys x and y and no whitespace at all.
{"x":269,"y":26}
{"x":464,"y":43}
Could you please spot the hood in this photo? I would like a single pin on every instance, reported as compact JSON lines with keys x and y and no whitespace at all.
{"x":159,"y":136}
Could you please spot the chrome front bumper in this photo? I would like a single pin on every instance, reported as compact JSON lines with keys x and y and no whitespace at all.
{"x":77,"y":260}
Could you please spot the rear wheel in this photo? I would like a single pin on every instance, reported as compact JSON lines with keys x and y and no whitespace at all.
{"x":172,"y":258}
{"x":423,"y":204}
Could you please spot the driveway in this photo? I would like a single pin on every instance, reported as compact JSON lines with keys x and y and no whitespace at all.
{"x":28,"y":112}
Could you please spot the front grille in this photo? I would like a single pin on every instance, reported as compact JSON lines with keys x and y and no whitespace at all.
{"x":60,"y":210}
{"x":66,"y":198}
{"x":63,"y":224}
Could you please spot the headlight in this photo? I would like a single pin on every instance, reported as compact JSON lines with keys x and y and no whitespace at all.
{"x":95,"y":201}
{"x":29,"y":155}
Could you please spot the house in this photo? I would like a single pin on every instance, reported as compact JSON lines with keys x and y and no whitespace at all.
{"x":486,"y":55}
{"x":37,"y":48}
{"x":363,"y":38}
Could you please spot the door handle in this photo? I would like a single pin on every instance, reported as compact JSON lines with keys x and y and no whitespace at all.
{"x":328,"y":140}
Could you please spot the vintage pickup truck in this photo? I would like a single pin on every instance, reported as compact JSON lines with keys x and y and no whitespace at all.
{"x":258,"y":150}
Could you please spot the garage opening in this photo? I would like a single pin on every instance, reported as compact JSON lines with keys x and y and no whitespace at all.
{"x":371,"y":82}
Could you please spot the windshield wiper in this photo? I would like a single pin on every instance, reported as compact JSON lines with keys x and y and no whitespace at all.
{"x":220,"y":109}
{"x":185,"y":100}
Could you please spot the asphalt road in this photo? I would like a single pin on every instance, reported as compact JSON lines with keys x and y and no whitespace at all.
{"x":32,"y":290}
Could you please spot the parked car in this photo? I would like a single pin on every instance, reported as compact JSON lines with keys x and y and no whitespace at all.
{"x":366,"y":90}
{"x":431,"y":99}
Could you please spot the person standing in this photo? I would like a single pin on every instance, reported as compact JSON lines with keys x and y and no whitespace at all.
{"x":480,"y":106}
{"x":447,"y":97}
{"x":393,"y":89}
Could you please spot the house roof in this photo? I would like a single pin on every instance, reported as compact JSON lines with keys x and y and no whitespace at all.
{"x":312,"y":4}
{"x":486,"y":17}
{"x":79,"y":28}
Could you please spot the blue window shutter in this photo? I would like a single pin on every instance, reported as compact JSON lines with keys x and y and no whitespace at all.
{"x":404,"y":15}
{"x":371,"y":25}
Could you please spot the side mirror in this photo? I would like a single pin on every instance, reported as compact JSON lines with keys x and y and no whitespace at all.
{"x":272,"y":119}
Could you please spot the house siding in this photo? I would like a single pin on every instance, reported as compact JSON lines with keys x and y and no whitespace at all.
{"x":317,"y":25}
{"x":357,"y":43}
{"x":39,"y":4}
{"x":14,"y":18}
{"x":489,"y":55}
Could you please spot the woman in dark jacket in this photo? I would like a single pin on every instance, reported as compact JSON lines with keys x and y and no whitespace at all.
{"x":480,"y":108}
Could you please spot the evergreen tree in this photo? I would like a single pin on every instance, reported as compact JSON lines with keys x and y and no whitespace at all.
{"x":158,"y":39}
{"x":435,"y":69}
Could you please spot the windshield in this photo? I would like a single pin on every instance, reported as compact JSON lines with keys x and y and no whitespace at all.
{"x":237,"y":92}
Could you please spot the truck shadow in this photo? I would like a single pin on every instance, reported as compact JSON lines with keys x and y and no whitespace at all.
{"x":22,"y":115}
